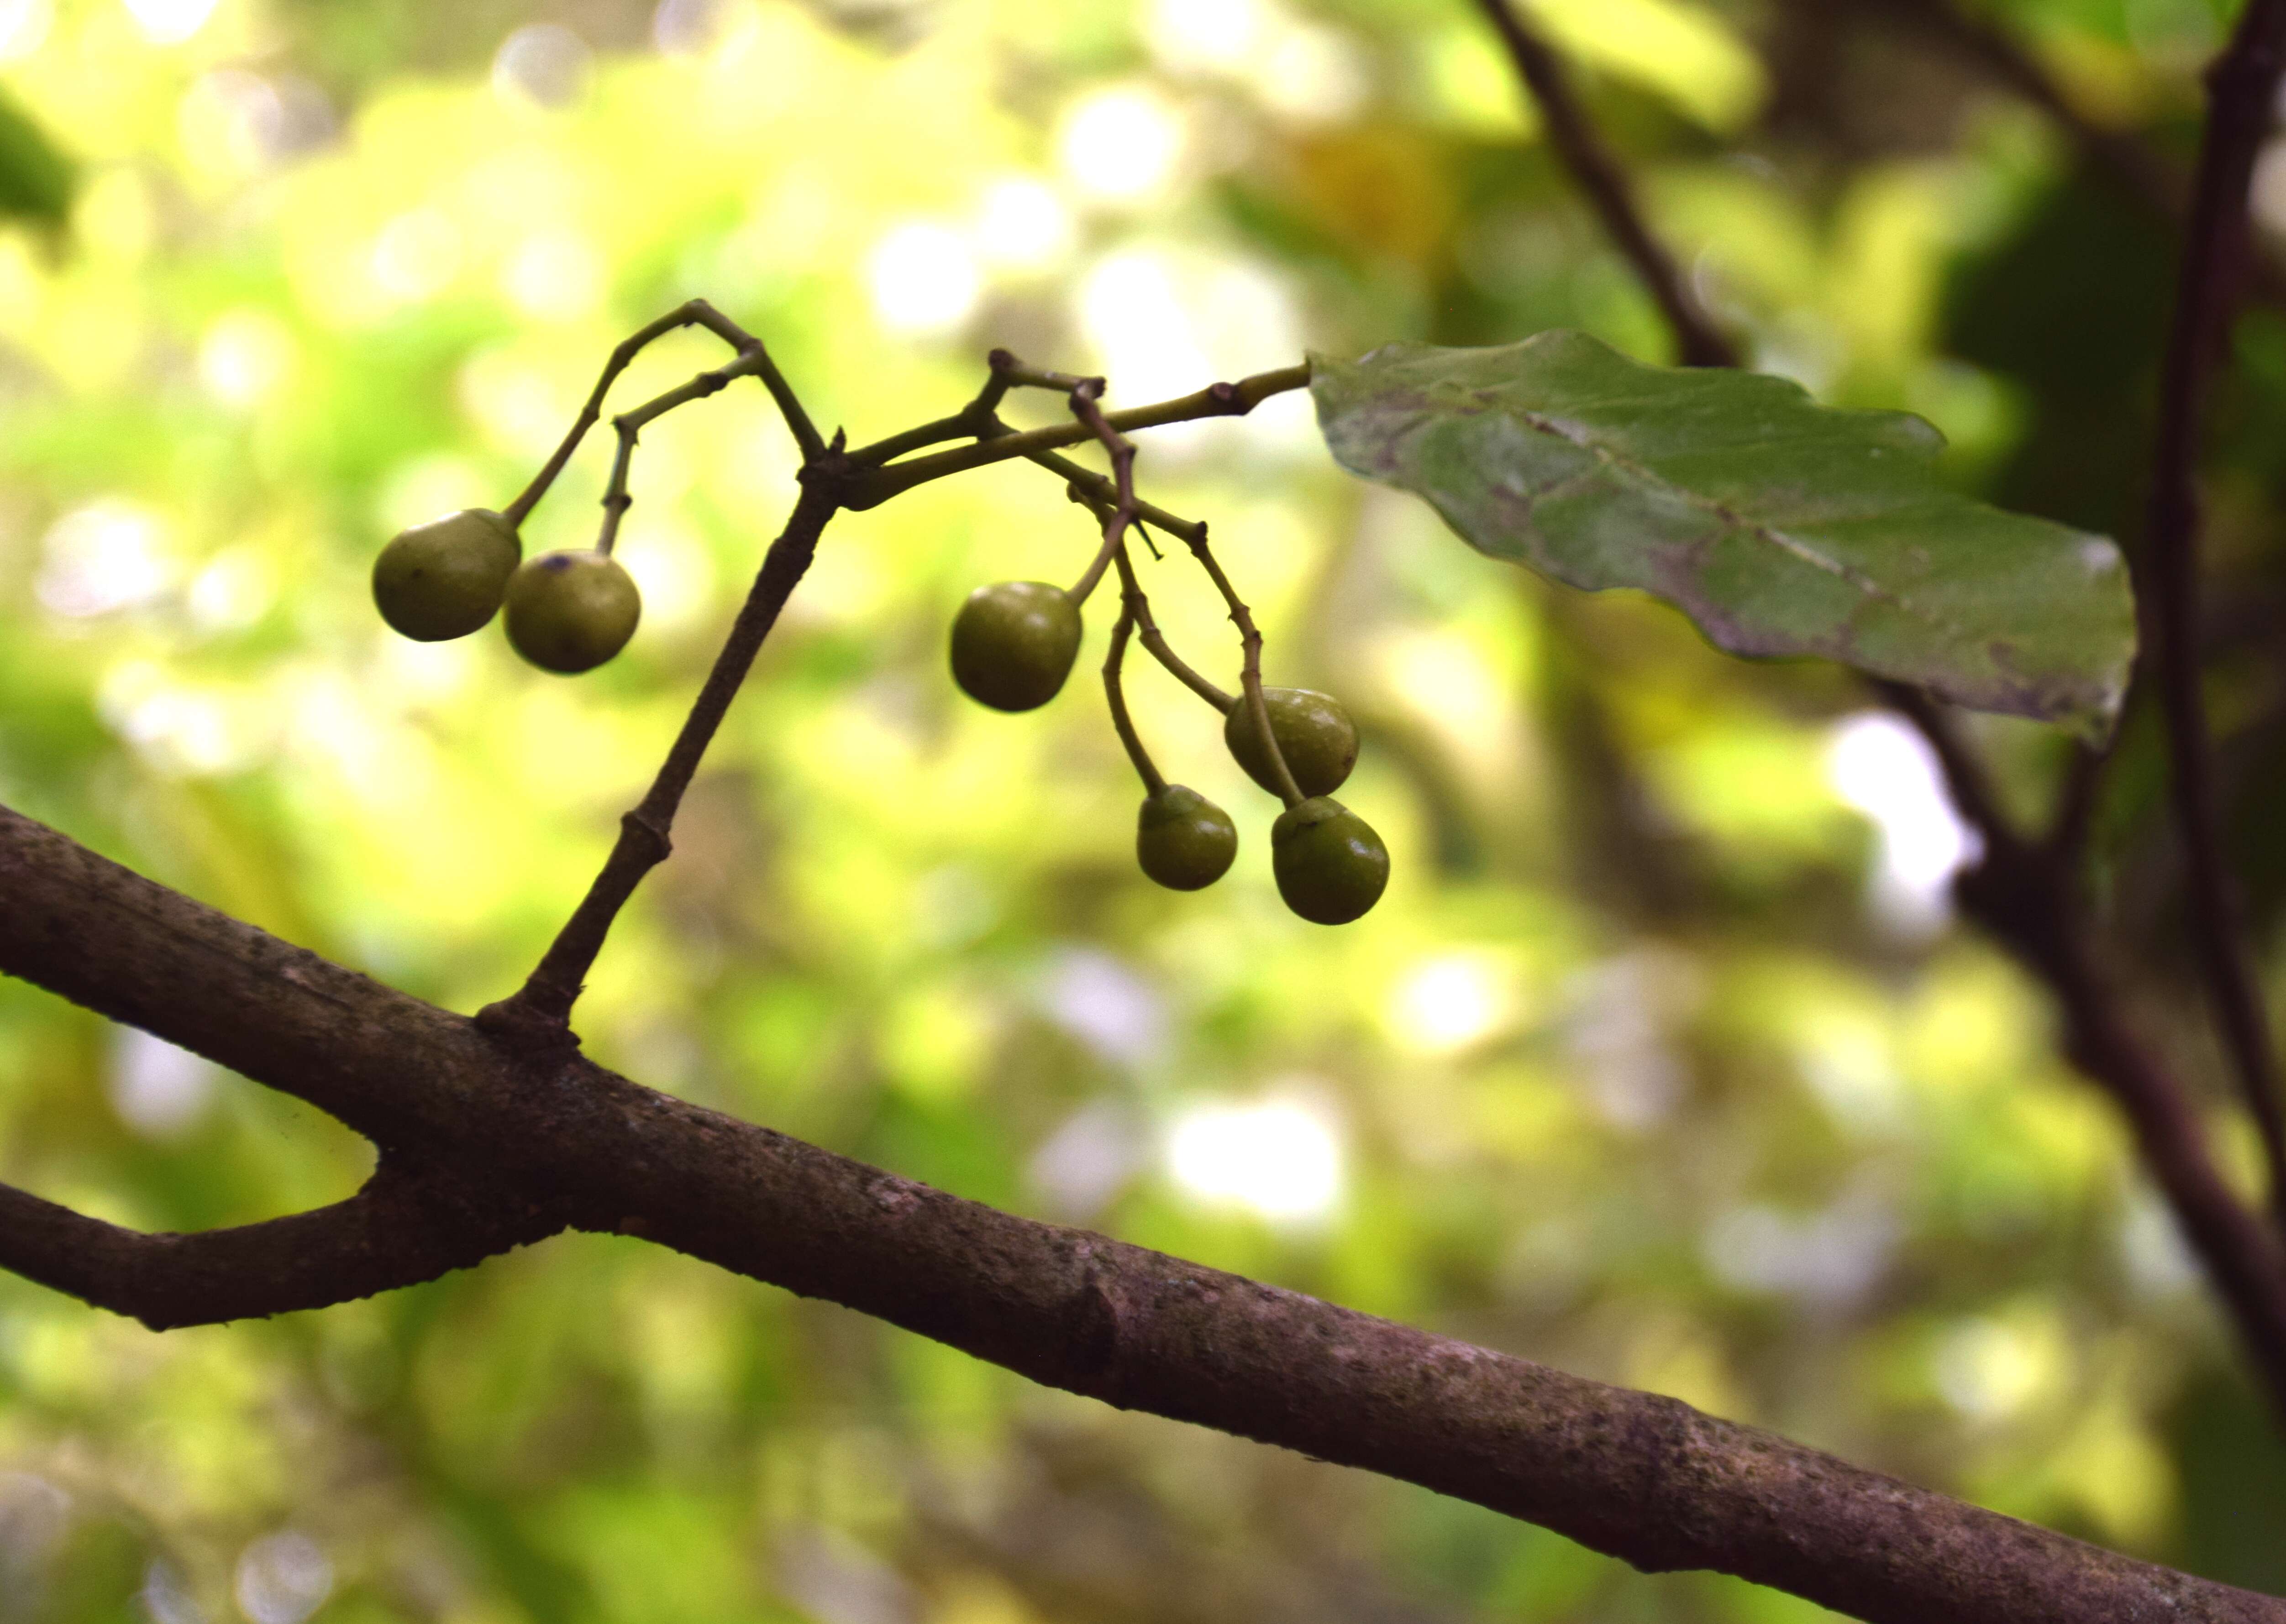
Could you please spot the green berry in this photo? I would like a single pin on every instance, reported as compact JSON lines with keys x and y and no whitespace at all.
{"x":573,"y":610}
{"x":1330,"y":865}
{"x":444,"y":579}
{"x":1183,"y":840}
{"x":1013,"y":642}
{"x":1314,"y":734}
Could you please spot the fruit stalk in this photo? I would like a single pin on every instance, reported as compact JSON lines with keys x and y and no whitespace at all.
{"x":629,"y":425}
{"x":1086,"y":393}
{"x":1123,"y":724}
{"x":538,"y":1013}
{"x":690,"y":313}
{"x":1250,"y":674}
{"x":1147,"y":633}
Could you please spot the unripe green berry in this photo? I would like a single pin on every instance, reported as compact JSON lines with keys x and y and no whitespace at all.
{"x":1330,"y":865}
{"x":1013,"y":642}
{"x":1183,"y":840}
{"x":573,"y":610}
{"x":1314,"y":734}
{"x":444,"y":579}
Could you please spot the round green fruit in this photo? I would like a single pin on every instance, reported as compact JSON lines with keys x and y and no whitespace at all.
{"x":1013,"y":642}
{"x":444,"y":579}
{"x":1330,"y":865}
{"x":1183,"y":840}
{"x":573,"y":610}
{"x":1314,"y":734}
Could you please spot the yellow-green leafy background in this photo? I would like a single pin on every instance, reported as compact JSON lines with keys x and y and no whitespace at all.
{"x":1660,"y":1061}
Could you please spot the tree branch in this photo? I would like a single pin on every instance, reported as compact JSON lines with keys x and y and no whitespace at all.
{"x":1641,"y":1478}
{"x":539,"y":1012}
{"x":398,"y":1231}
{"x":2024,"y":894}
{"x":690,"y":313}
{"x":2242,"y":84}
{"x":1604,"y":183}
{"x":869,"y":488}
{"x":2134,"y":166}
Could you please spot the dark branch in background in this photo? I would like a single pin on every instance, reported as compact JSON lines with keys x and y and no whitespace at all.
{"x":549,"y":1135}
{"x":537,"y":1014}
{"x":2139,"y":170}
{"x":1604,"y":183}
{"x":2025,"y":895}
{"x":2242,"y":85}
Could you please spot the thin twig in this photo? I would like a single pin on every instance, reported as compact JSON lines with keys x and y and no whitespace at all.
{"x":1147,"y":633}
{"x":1121,"y":722}
{"x":1599,"y":176}
{"x":2242,"y":85}
{"x":1249,"y":672}
{"x":1093,"y":417}
{"x":1085,"y":396}
{"x":2139,"y":170}
{"x":871,"y":489}
{"x":538,"y":1014}
{"x":693,"y":312}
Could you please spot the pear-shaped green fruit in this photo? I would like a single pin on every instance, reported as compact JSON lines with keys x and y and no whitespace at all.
{"x":1013,"y":642}
{"x":1314,"y":734}
{"x":1183,"y":840}
{"x":444,"y":579}
{"x":573,"y":610}
{"x":1330,"y":865}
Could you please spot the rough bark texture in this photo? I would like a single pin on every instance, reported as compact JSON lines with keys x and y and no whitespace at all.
{"x":486,"y":1147}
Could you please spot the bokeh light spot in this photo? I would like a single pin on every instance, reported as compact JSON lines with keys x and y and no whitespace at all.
{"x":1278,"y":1158}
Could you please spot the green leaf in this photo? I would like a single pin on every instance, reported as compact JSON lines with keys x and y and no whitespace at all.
{"x":1781,"y":527}
{"x":37,"y":179}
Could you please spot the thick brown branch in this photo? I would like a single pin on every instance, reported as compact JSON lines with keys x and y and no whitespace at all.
{"x":2217,"y":249}
{"x":1604,"y":183}
{"x":1642,"y":1478}
{"x":397,"y":1231}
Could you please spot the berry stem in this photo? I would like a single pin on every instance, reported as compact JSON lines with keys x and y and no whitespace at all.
{"x":1085,"y":394}
{"x":1120,"y":722}
{"x":1147,"y":633}
{"x":871,"y":489}
{"x":628,"y":427}
{"x":754,"y":358}
{"x":539,"y":1012}
{"x":1250,"y":676}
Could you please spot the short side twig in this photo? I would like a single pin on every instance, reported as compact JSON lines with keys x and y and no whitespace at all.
{"x":397,"y":1231}
{"x":1123,"y":724}
{"x":538,"y":1013}
{"x":878,"y":479}
{"x":691,"y":313}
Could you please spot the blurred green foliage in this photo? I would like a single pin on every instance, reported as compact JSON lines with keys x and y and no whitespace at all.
{"x":1659,"y":1062}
